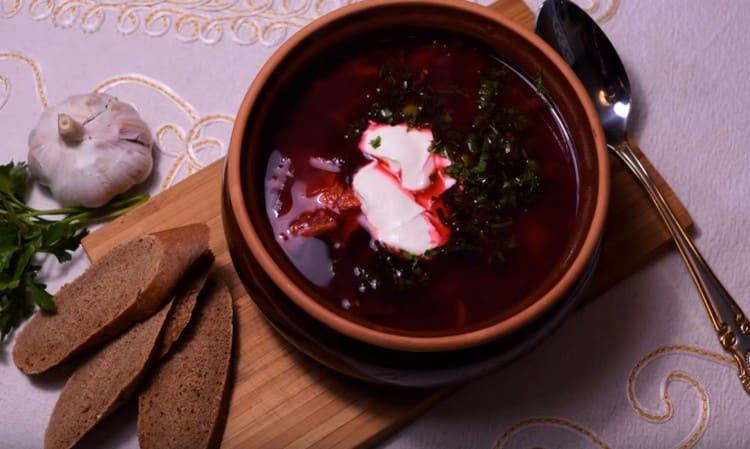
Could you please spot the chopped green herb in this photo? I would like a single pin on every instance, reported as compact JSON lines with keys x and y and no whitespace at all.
{"x":488,"y":91}
{"x":391,"y":270}
{"x":386,"y":114}
{"x":539,"y":84}
{"x":375,"y":143}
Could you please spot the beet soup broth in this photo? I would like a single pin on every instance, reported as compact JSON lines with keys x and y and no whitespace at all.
{"x":454,"y":241}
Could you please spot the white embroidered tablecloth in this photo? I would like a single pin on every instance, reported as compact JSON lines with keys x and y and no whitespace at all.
{"x":638,"y":368}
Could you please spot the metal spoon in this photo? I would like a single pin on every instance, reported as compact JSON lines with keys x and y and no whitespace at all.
{"x":585,"y":47}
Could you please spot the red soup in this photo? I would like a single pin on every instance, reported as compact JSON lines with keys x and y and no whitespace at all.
{"x":419,"y":183}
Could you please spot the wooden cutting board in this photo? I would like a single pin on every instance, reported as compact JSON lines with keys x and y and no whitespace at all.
{"x":283,"y":400}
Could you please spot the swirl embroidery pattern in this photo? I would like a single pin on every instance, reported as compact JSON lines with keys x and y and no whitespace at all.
{"x":247,"y":21}
{"x":655,"y":416}
{"x":172,"y":141}
{"x":601,"y":10}
{"x":5,"y":83}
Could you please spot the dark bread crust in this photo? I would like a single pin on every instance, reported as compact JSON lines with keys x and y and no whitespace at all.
{"x":183,"y":406}
{"x":181,"y":247}
{"x":50,"y":339}
{"x":185,"y":299}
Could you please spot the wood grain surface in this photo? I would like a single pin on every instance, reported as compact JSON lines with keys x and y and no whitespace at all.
{"x":283,"y":400}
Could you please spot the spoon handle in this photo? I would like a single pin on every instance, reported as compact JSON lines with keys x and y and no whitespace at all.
{"x":730,"y":323}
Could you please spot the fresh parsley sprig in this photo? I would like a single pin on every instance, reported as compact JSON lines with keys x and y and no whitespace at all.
{"x":26,"y":232}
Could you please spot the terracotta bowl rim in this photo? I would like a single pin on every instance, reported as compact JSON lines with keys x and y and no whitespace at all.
{"x":377,"y":337}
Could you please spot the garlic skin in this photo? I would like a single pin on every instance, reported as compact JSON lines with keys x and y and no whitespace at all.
{"x":89,"y":149}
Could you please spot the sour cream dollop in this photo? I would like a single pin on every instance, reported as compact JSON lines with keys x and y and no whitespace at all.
{"x":399,"y":190}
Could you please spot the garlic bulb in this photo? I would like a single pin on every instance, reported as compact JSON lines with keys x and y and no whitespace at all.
{"x":90,"y":148}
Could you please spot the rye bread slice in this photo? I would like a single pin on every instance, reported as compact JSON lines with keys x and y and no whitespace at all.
{"x":104,"y":382}
{"x":128,"y":284}
{"x":183,"y":405}
{"x":182,"y":311}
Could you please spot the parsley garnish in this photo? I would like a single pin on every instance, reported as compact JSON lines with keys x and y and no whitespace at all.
{"x":375,"y":143}
{"x":26,"y":232}
{"x":539,"y":84}
{"x":390,"y":270}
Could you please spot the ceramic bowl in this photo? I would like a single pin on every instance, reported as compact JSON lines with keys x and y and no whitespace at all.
{"x":244,"y":212}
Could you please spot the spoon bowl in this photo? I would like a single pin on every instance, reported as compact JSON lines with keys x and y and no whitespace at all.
{"x":588,"y":51}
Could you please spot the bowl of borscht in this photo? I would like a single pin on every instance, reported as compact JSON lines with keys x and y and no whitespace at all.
{"x":417,"y":175}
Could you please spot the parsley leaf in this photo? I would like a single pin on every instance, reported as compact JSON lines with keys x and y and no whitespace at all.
{"x":13,"y":179}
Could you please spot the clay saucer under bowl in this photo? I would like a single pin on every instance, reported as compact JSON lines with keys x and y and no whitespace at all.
{"x":252,"y":246}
